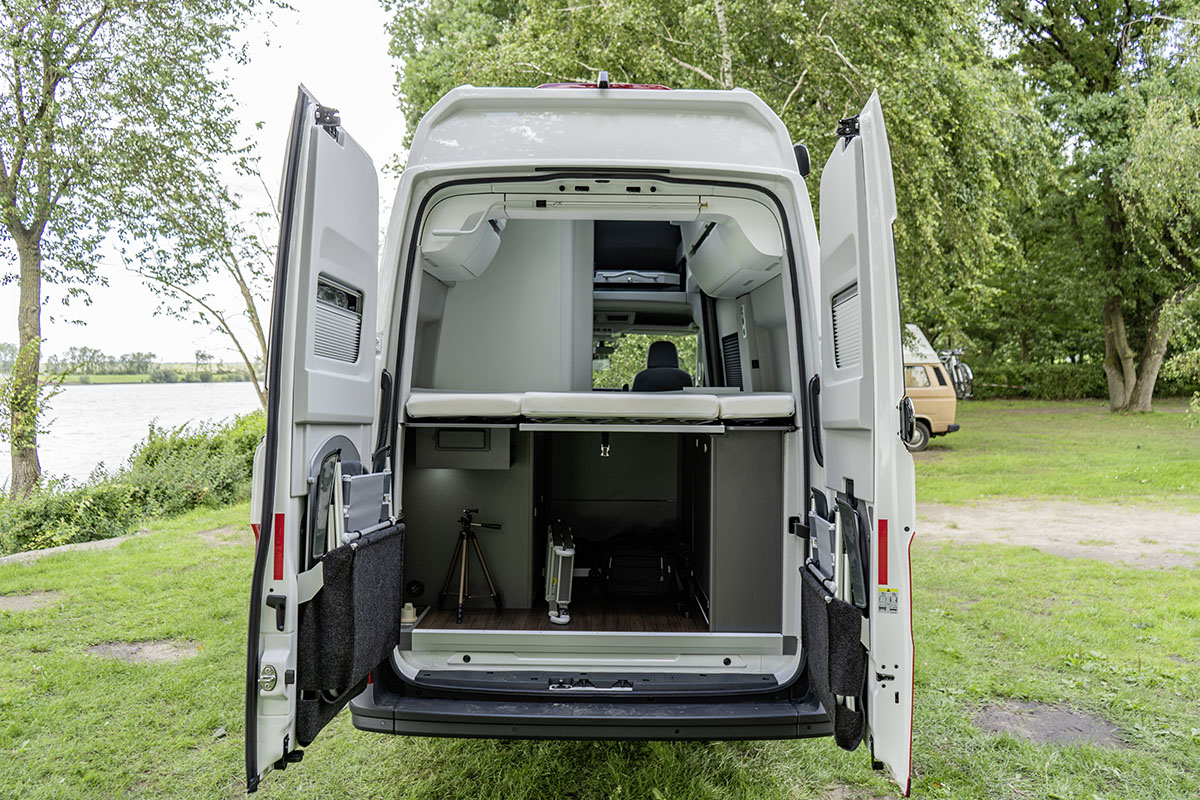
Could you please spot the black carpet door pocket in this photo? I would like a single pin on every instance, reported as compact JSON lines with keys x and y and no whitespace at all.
{"x":350,"y":626}
{"x":836,"y":658}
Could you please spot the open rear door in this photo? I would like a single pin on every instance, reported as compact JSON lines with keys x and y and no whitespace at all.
{"x":324,"y":606}
{"x":868,"y":502}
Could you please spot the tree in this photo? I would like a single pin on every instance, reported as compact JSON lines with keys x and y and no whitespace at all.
{"x":136,"y":363}
{"x":1094,"y":67}
{"x":959,"y":128}
{"x":1159,"y":189}
{"x":99,"y":97}
{"x":206,"y":241}
{"x":8,"y":356}
{"x":84,"y":360}
{"x":204,"y":361}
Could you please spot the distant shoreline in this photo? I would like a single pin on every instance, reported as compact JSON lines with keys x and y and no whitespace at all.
{"x":86,"y":380}
{"x":183,"y":374}
{"x":96,"y":380}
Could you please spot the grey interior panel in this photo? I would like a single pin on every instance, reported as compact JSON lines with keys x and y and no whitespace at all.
{"x":462,"y":448}
{"x":737,"y":526}
{"x":635,"y":486}
{"x":525,"y":323}
{"x":433,"y":500}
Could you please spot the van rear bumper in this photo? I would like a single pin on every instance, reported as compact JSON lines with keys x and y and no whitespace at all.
{"x":386,"y":712}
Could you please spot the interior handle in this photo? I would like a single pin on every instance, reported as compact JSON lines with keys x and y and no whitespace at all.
{"x":279,"y":603}
{"x":814,"y":416}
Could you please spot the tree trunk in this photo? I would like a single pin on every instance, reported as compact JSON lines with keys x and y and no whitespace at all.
{"x":726,"y":55}
{"x":23,"y":389}
{"x":1024,"y":347}
{"x":1158,"y":334}
{"x":1118,"y":356}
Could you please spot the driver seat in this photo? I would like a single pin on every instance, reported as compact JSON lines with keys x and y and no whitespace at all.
{"x":662,"y":372}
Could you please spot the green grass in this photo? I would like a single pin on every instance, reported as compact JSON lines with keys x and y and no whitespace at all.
{"x":1045,"y":449}
{"x":990,"y":623}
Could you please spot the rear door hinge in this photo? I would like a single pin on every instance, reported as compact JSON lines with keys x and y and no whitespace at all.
{"x":848,"y":128}
{"x":328,"y":119}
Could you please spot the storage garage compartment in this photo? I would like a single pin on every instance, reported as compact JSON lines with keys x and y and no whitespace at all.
{"x":700,"y":513}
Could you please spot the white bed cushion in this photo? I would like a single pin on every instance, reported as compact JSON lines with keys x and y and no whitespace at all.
{"x":757,"y":405}
{"x":620,"y":405}
{"x":463,"y":404}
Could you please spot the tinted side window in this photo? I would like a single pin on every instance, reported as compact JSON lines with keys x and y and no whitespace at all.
{"x":916,"y":377}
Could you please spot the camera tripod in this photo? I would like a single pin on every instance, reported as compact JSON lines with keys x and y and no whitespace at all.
{"x":467,"y":539}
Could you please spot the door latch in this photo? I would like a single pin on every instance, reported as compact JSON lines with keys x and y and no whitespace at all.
{"x":268,"y":678}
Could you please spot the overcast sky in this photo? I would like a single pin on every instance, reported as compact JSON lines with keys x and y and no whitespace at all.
{"x":338,"y":49}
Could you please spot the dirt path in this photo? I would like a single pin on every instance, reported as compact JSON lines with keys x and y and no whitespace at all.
{"x":1141,"y":537}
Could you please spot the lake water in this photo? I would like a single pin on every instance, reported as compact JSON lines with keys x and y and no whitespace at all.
{"x":98,"y":424}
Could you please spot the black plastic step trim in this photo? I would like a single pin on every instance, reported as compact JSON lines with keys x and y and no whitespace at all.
{"x":506,"y":719}
{"x":601,"y":683}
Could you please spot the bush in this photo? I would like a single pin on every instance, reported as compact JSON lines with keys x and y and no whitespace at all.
{"x":1062,"y":382}
{"x":170,"y":472}
{"x":177,"y":470}
{"x":1040,"y":381}
{"x":61,"y":513}
{"x":164,"y":375}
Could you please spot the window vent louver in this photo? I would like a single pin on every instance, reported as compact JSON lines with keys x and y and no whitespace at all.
{"x":338,"y":323}
{"x":733,"y":360}
{"x":847,"y":328}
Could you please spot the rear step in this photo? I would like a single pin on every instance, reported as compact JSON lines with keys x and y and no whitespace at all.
{"x":584,"y":683}
{"x":386,"y":712}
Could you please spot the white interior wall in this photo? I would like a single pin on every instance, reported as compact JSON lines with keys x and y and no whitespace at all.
{"x":774,"y":347}
{"x":525,"y":324}
{"x":431,"y":308}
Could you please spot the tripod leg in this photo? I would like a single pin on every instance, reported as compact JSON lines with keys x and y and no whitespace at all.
{"x":458,"y":550}
{"x":462,"y":580}
{"x":487,"y":574}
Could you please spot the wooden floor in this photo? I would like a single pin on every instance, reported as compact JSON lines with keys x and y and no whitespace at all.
{"x":592,"y":615}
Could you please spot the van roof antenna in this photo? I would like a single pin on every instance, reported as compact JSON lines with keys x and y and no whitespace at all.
{"x":602,"y":81}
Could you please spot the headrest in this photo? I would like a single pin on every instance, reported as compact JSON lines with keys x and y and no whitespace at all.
{"x":662,"y":354}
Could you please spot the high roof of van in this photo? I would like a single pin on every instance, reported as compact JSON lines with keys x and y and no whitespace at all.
{"x":917,"y":349}
{"x":647,"y":128}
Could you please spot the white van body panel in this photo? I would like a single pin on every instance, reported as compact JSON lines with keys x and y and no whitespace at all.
{"x":594,"y":127}
{"x":478,"y":169}
{"x":326,"y":384}
{"x":862,"y":388}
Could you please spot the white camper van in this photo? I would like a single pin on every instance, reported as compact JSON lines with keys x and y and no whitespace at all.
{"x":460,"y":535}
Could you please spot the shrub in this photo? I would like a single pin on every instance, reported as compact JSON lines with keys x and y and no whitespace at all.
{"x":164,"y":375}
{"x":1064,"y":382}
{"x":184,"y":468}
{"x":1040,"y":381}
{"x":170,"y":472}
{"x":62,"y":513}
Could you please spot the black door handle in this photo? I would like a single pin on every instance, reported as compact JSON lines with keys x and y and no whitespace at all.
{"x":279,"y":603}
